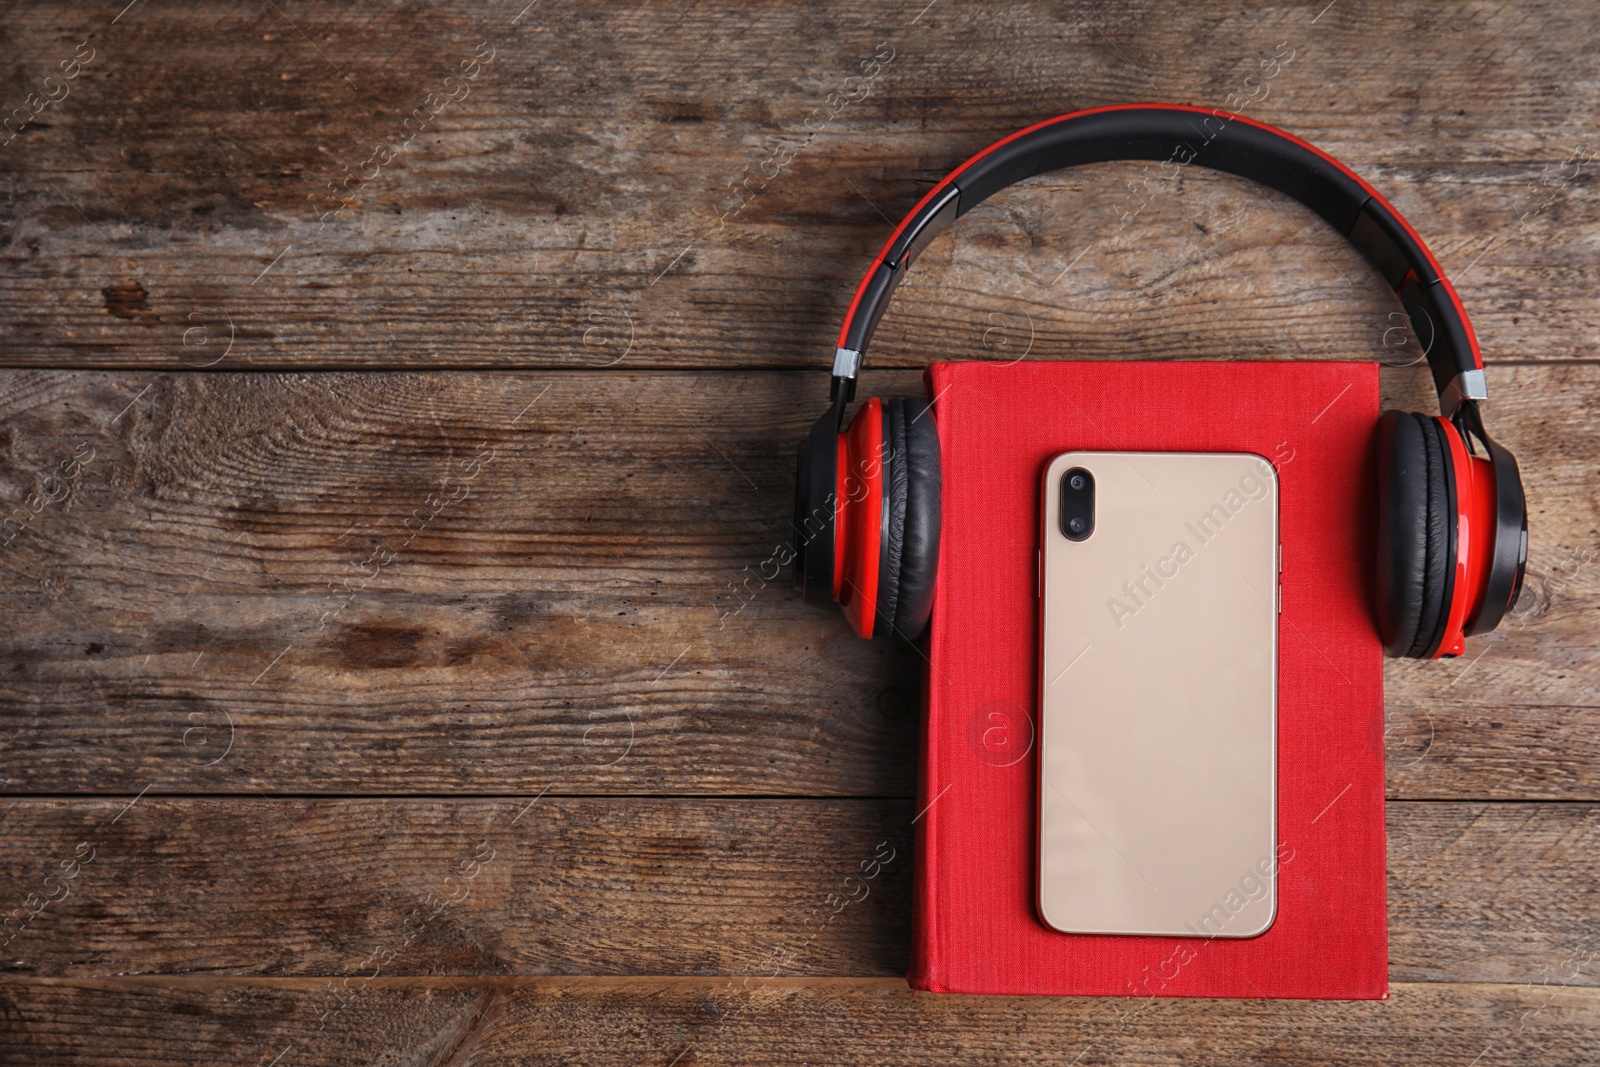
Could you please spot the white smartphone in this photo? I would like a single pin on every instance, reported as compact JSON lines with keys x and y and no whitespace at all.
{"x":1159,"y":602}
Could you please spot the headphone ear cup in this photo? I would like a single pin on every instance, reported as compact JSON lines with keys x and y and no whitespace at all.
{"x":894,"y":516}
{"x":919,"y":551}
{"x":1414,"y":519}
{"x":816,"y":489}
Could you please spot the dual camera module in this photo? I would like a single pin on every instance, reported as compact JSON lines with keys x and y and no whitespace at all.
{"x":1077,"y":504}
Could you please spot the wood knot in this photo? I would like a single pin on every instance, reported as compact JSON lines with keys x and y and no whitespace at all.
{"x":129,"y":300}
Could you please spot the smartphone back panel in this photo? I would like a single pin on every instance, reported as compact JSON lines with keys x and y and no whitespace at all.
{"x":1158,"y":697}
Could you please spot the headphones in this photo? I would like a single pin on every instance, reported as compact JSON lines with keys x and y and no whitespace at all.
{"x":1452,"y":523}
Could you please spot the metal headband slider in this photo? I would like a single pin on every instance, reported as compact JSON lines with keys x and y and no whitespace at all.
{"x":1468,"y":385}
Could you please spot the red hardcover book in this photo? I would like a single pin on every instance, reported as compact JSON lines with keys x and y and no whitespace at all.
{"x":976,"y":929}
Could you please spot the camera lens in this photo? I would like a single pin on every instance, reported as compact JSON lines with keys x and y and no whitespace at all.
{"x":1077,"y":504}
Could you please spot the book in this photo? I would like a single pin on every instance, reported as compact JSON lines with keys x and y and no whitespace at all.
{"x":975,"y":927}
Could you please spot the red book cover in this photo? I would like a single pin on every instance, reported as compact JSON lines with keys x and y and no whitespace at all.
{"x":975,"y":928}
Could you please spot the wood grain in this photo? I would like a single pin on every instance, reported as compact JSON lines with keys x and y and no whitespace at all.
{"x":288,"y":887}
{"x":664,"y":1021}
{"x":246,"y":588}
{"x":681,"y":186}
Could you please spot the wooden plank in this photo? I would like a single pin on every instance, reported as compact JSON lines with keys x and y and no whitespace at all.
{"x":242,"y":585}
{"x":289,"y":887}
{"x":479,"y":1021}
{"x":712,"y":199}
{"x":572,"y":613}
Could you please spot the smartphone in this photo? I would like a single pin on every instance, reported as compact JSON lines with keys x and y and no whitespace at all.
{"x":1159,"y":602}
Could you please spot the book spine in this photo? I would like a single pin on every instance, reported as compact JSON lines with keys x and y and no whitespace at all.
{"x":926,"y":955}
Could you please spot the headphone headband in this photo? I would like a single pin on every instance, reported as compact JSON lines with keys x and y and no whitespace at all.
{"x":1178,"y":135}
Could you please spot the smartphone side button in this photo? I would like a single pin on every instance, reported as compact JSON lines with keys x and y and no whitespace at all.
{"x":1038,"y":569}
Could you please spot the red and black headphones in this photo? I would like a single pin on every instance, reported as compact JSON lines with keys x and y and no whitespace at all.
{"x":1452,"y":524}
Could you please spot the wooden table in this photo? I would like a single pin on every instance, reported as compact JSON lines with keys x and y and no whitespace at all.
{"x":399,"y":404}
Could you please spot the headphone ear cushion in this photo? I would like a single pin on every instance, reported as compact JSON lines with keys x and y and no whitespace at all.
{"x":919,"y":553}
{"x":1413,"y":532}
{"x":890,"y":563}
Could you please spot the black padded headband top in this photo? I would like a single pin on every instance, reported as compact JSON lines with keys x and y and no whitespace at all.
{"x":1177,"y":136}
